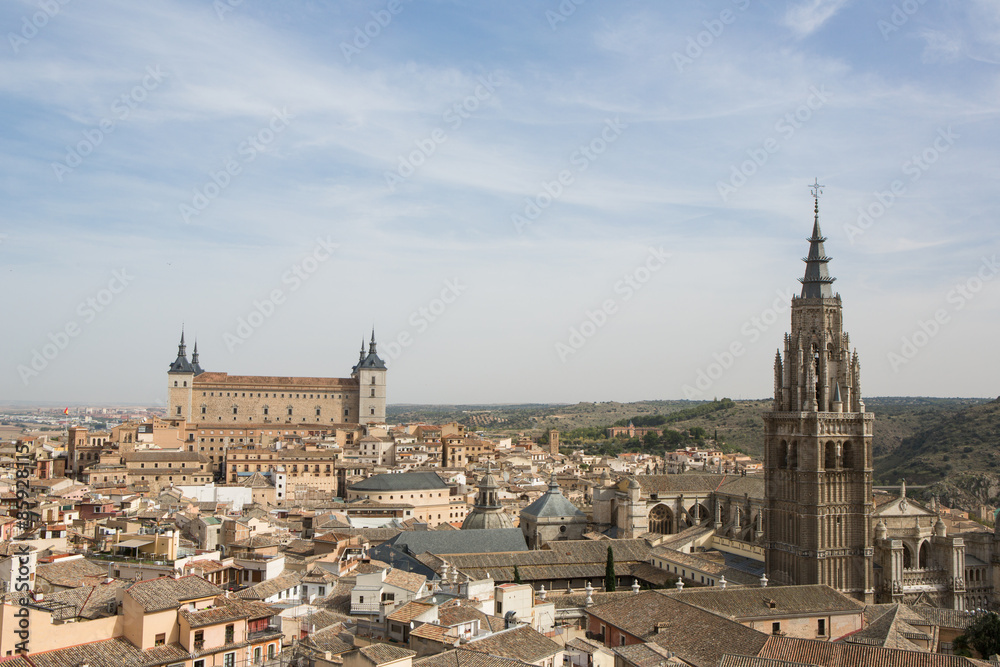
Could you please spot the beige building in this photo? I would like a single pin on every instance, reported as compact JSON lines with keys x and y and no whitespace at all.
{"x":432,"y":500}
{"x":165,"y":621}
{"x":159,"y":468}
{"x":217,"y":399}
{"x":294,"y":472}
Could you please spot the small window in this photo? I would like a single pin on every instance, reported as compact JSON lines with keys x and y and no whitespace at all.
{"x":776,"y":628}
{"x":161,"y":639}
{"x":821,"y":627}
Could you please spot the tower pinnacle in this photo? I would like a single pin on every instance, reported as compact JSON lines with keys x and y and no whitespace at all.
{"x":816,"y":282}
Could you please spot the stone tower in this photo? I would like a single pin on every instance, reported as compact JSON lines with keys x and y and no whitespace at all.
{"x":818,"y":446}
{"x":370,"y":374}
{"x":553,"y":441}
{"x":180,"y":382}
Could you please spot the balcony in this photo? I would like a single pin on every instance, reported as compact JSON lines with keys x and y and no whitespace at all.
{"x":366,"y":607}
{"x":270,"y":632}
{"x":925,"y":578}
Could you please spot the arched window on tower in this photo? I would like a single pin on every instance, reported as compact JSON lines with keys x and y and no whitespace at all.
{"x":830,"y":460}
{"x":847,"y":456}
{"x":922,"y":556}
{"x":907,"y":557}
{"x":793,"y":456}
{"x":783,"y":454}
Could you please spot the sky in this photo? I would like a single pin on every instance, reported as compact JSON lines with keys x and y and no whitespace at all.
{"x":535,"y":201}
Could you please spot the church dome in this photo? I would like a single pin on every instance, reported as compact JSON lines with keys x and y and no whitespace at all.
{"x":552,"y":504}
{"x":487,"y":512}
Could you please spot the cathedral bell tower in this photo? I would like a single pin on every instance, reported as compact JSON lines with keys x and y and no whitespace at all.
{"x":818,"y":445}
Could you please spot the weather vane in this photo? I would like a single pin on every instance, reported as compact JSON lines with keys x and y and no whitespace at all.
{"x":816,"y":189}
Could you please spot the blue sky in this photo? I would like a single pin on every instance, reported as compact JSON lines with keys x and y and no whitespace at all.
{"x":530,"y":201}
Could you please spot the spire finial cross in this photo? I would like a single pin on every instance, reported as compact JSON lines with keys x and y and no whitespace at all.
{"x":816,"y":188}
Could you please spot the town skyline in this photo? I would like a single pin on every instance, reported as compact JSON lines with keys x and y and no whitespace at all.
{"x":551,"y":204}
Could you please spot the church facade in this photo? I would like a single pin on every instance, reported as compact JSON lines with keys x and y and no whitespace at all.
{"x":215,"y":399}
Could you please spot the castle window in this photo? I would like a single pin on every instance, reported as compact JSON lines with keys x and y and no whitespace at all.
{"x":830,"y":460}
{"x":289,"y":411}
{"x":185,"y":383}
{"x":235,"y":409}
{"x":847,"y":456}
{"x":373,"y":410}
{"x":265,"y":410}
{"x":204,"y":409}
{"x":178,"y":409}
{"x":373,"y":379}
{"x":175,"y":383}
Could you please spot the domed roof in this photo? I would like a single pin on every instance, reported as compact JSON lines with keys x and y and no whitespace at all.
{"x":552,"y":503}
{"x":487,"y":512}
{"x":487,"y":518}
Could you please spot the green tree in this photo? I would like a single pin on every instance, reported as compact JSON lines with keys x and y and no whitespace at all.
{"x":983,"y":634}
{"x":671,"y":437}
{"x":651,"y":440}
{"x":517,"y":575}
{"x":609,"y":572}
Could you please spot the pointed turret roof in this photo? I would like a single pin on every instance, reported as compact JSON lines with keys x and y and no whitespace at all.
{"x":816,"y":282}
{"x":371,"y":360}
{"x":181,"y":363}
{"x":198,"y":370}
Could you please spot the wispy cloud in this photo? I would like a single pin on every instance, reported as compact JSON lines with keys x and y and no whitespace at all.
{"x":807,"y":16}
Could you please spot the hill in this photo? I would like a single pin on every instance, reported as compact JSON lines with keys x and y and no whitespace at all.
{"x":954,"y":450}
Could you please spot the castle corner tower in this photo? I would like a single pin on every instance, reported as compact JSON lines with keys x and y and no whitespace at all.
{"x":180,"y":380}
{"x":370,"y":374}
{"x":818,"y":445}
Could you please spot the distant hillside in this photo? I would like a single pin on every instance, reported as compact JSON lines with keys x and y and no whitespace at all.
{"x":958,"y":450}
{"x":532,"y":416}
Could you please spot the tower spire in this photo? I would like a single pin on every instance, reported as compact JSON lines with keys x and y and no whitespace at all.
{"x":816,"y":282}
{"x":194,"y":359}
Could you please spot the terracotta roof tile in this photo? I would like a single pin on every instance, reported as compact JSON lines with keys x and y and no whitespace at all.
{"x":521,"y":643}
{"x":167,"y":593}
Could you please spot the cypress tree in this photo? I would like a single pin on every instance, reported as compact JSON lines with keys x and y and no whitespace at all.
{"x":609,"y":572}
